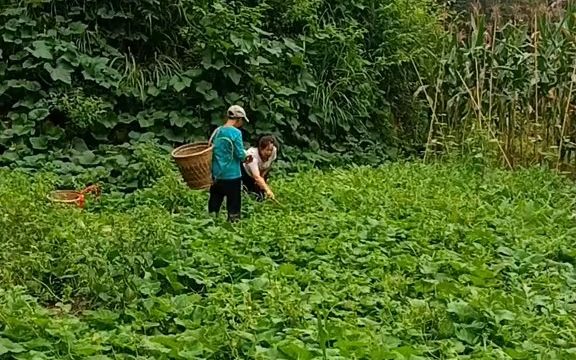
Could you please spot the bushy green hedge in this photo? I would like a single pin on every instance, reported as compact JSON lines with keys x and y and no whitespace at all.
{"x":77,"y":77}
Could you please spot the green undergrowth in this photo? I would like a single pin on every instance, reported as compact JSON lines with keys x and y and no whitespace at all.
{"x":129,"y":167}
{"x":407,"y":261}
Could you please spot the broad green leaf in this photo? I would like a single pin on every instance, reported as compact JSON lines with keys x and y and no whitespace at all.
{"x":203,"y":87}
{"x":233,"y":97}
{"x":10,"y":156}
{"x":235,"y":39}
{"x":28,"y":103}
{"x":173,"y":135}
{"x":291,"y":45}
{"x":28,"y":85}
{"x":53,"y":132}
{"x":79,"y":145}
{"x":87,"y":158}
{"x":38,"y":343}
{"x":466,"y":335}
{"x":233,"y":75}
{"x":504,"y":315}
{"x":38,"y":114}
{"x":192,"y":73}
{"x":275,"y":48}
{"x":21,"y":130}
{"x":101,"y":135}
{"x":16,"y":67}
{"x":218,"y":64}
{"x":159,"y":115}
{"x":59,"y":73}
{"x":176,"y":119}
{"x":463,"y":310}
{"x":39,"y":143}
{"x":8,"y":37}
{"x":30,"y":64}
{"x":7,"y":346}
{"x":263,"y":60}
{"x":259,"y":30}
{"x":211,"y":95}
{"x":207,"y":60}
{"x":145,"y":120}
{"x":126,"y":118}
{"x":517,"y":354}
{"x":77,"y":27}
{"x":134,"y":135}
{"x":70,"y":58}
{"x":41,"y":50}
{"x":19,"y":56}
{"x":155,"y":347}
{"x":153,"y":90}
{"x":241,"y":43}
{"x":286,"y":91}
{"x":102,"y":317}
{"x":180,"y":82}
{"x":109,"y":121}
{"x":295,"y":351}
{"x":192,"y":351}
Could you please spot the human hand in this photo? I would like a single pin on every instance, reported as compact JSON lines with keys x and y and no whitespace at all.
{"x":270,"y":194}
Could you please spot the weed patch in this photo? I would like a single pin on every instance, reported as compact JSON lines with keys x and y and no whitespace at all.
{"x":406,"y":261}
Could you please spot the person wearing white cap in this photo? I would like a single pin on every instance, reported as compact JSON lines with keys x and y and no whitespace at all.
{"x":228,"y":155}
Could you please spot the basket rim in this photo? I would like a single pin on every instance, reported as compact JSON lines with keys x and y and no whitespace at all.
{"x":180,"y":148}
{"x":77,"y":193}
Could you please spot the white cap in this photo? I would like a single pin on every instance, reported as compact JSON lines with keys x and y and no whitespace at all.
{"x":237,"y":111}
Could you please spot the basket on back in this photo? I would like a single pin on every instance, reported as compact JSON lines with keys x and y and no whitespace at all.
{"x":195,"y":164}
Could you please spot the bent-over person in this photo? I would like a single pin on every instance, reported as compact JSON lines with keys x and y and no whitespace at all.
{"x":256,"y":173}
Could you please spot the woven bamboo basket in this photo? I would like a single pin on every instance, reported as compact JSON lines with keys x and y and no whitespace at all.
{"x":195,"y":164}
{"x":67,"y":197}
{"x":73,"y":197}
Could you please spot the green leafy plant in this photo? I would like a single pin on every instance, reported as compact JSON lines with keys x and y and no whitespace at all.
{"x":83,"y":112}
{"x":403,"y":261}
{"x":111,"y":74}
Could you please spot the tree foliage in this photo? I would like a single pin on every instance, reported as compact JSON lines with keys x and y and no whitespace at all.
{"x":76,"y":75}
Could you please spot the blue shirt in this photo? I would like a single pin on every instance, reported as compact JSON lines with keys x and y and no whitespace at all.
{"x":228,"y":153}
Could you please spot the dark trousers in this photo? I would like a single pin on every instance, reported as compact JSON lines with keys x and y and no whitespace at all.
{"x":232,"y":191}
{"x":251,"y":186}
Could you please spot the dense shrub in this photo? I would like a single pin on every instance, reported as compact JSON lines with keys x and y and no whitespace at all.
{"x":320,"y":74}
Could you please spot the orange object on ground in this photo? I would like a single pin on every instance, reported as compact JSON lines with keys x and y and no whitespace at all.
{"x":73,"y":197}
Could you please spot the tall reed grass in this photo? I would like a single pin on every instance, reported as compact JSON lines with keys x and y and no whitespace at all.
{"x":508,"y":82}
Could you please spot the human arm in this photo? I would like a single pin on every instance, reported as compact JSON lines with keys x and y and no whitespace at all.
{"x":259,"y":179}
{"x":262,"y":184}
{"x":239,"y":151}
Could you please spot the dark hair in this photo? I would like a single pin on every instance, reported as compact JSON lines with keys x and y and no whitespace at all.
{"x":266,"y":140}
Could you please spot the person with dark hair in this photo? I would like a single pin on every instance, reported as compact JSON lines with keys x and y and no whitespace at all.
{"x":255,"y":174}
{"x":228,"y":155}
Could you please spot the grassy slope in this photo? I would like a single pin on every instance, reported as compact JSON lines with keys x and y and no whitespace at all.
{"x":431,"y":261}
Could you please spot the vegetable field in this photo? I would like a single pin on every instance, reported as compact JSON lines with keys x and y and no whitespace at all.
{"x":401,"y":262}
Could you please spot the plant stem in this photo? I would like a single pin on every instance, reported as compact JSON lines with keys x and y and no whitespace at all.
{"x":566,"y":111}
